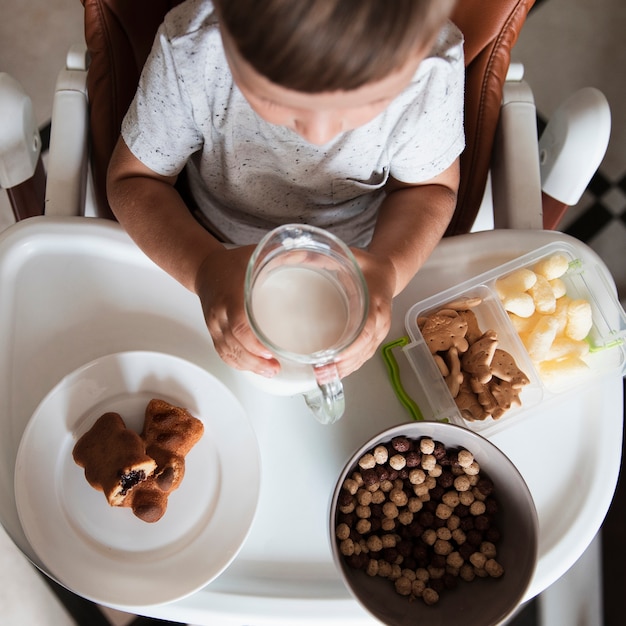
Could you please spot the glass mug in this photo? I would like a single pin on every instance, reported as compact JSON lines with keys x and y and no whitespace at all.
{"x":306,"y":301}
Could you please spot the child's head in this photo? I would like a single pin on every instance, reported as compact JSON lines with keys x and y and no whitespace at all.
{"x":318,"y":46}
{"x":323,"y":67}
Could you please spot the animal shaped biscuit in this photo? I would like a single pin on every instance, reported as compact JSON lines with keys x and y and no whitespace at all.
{"x":136,"y":471}
{"x":169,"y":433}
{"x":114,"y":458}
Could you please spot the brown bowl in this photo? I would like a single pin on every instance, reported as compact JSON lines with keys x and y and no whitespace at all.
{"x":483,"y":601}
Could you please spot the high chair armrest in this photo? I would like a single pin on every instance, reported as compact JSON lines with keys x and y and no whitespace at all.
{"x":67,"y":158}
{"x":516,"y":180}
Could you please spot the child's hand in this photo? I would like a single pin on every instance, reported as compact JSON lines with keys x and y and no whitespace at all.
{"x":220,"y":287}
{"x":380,"y":277}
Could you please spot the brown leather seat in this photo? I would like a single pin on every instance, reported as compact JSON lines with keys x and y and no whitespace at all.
{"x":119,"y":35}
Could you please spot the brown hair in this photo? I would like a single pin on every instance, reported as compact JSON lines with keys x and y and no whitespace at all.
{"x":330,"y":45}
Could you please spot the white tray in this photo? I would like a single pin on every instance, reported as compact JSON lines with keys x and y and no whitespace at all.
{"x":74,"y":289}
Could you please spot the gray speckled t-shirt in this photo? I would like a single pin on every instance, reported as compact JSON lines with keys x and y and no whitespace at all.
{"x":247,"y":175}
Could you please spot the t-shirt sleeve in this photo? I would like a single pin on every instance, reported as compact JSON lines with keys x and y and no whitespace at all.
{"x":159,"y":127}
{"x":429,"y":136}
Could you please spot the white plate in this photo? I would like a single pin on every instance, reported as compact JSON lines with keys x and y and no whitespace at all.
{"x":105,"y":553}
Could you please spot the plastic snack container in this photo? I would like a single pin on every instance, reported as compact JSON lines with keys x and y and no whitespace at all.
{"x":607,"y":338}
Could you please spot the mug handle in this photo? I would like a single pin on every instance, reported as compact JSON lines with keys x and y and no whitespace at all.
{"x":327,"y":402}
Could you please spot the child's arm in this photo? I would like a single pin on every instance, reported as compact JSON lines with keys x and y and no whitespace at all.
{"x":410,"y":223}
{"x":156,"y":218}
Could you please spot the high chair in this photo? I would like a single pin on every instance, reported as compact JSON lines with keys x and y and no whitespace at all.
{"x":108,"y":297}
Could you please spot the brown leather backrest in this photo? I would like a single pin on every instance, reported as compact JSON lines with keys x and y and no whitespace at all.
{"x":119,"y":35}
{"x":490,"y":28}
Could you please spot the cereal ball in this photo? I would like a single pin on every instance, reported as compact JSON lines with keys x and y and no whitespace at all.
{"x":413,"y":458}
{"x":488,"y":549}
{"x":380,"y":454}
{"x":414,"y":505}
{"x":427,"y":445}
{"x":363,"y":511}
{"x":443,"y":511}
{"x":477,"y":508}
{"x":409,"y":573}
{"x":367,"y":461}
{"x":493,"y":568}
{"x":466,"y":572}
{"x":454,"y":559}
{"x":465,"y":458}
{"x":397,"y":461}
{"x":342,"y":531}
{"x":444,"y":533}
{"x":429,"y":536}
{"x":442,"y":547}
{"x":473,"y":469}
{"x":346,"y":547}
{"x":372,"y":567}
{"x":401,"y":444}
{"x":466,"y":498}
{"x":421,"y":573}
{"x":390,"y":510}
{"x":428,"y":462}
{"x":384,"y":568}
{"x":363,"y":526}
{"x":430,"y":596}
{"x":478,"y":559}
{"x":462,"y":483}
{"x":417,"y":476}
{"x":451,"y":498}
{"x":440,"y":452}
{"x":453,"y":522}
{"x":459,"y":536}
{"x":364,"y":497}
{"x":398,"y":497}
{"x":370,"y":479}
{"x":396,"y":572}
{"x":405,"y":517}
{"x":378,"y":497}
{"x":386,"y":486}
{"x":388,"y":524}
{"x":403,"y":586}
{"x":374,"y":543}
{"x":351,"y":485}
{"x":417,"y":588}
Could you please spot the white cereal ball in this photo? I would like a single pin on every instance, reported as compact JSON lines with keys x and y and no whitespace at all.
{"x":553,"y":266}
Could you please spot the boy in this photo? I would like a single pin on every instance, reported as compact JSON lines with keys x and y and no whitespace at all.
{"x":344,"y":114}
